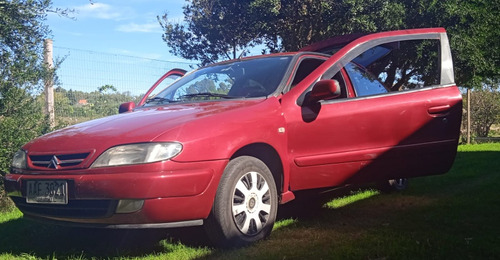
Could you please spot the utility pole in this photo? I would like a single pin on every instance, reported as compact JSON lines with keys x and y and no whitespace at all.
{"x":468,"y":115}
{"x":49,"y":81}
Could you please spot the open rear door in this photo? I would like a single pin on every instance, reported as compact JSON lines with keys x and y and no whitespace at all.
{"x":172,"y":74}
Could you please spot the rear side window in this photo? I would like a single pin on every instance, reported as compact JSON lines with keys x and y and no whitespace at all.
{"x":363,"y":82}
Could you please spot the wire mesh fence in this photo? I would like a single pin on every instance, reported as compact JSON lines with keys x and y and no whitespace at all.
{"x":93,"y":84}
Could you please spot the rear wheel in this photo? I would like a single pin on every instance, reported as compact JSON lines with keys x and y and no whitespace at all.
{"x":245,"y":205}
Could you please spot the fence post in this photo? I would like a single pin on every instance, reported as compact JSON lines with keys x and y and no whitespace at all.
{"x":468,"y":115}
{"x":49,"y":82}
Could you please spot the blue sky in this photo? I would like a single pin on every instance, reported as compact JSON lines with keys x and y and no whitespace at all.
{"x":126,"y":27}
{"x":121,"y":27}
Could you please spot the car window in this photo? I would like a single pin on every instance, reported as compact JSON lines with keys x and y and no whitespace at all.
{"x":237,"y":79}
{"x":400,"y":65}
{"x":403,"y":65}
{"x":308,"y":65}
{"x":217,"y":83}
{"x":363,"y":82}
{"x":305,"y":68}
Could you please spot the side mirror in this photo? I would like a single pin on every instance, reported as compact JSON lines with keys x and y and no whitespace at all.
{"x":126,"y":107}
{"x":325,"y":89}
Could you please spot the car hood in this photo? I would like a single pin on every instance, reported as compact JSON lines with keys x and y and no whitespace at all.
{"x":141,"y":125}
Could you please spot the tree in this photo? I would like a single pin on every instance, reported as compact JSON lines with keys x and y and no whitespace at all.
{"x":21,"y":72}
{"x":106,"y":88}
{"x":473,"y":29}
{"x":223,"y":29}
{"x":288,"y":25}
{"x":106,"y":100}
{"x":300,"y":23}
{"x":213,"y":29}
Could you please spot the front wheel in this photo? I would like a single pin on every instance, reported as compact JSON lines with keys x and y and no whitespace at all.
{"x":245,"y":205}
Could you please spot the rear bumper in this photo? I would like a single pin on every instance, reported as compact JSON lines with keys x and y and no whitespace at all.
{"x":174,"y":194}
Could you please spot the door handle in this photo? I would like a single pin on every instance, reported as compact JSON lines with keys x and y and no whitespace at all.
{"x":439,"y":110}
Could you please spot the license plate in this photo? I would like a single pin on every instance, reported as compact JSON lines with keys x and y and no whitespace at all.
{"x":48,"y":191}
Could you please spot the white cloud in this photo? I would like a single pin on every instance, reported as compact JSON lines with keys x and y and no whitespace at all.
{"x":103,"y":11}
{"x":153,"y":27}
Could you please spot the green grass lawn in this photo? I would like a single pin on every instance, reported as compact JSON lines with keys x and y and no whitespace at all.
{"x":451,"y":216}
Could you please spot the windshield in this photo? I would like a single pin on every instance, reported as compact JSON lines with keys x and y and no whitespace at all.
{"x":239,"y":79}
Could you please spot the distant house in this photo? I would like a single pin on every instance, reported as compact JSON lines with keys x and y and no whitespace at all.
{"x":82,"y":102}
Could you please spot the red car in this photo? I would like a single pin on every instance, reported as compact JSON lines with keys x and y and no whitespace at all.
{"x":224,"y":145}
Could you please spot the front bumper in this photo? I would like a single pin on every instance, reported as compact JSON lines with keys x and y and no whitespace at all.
{"x":174,"y":194}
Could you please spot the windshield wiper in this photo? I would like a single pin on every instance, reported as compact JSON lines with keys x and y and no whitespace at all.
{"x":160,"y":100}
{"x":207,"y":94}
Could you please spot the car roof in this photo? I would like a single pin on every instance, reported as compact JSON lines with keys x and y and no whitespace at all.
{"x":332,"y":44}
{"x":323,"y":48}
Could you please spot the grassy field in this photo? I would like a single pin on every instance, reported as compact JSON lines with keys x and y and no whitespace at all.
{"x":452,"y":216}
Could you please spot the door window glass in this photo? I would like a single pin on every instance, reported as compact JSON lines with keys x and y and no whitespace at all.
{"x":363,"y":82}
{"x":165,"y":83}
{"x":305,"y":68}
{"x":403,"y":65}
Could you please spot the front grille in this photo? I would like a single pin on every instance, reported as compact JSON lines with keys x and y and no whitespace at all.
{"x":74,"y":208}
{"x":58,"y":161}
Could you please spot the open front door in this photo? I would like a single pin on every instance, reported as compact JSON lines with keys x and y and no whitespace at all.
{"x":402,"y":121}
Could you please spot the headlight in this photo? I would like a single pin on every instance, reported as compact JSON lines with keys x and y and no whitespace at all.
{"x":19,"y":160}
{"x":137,"y":154}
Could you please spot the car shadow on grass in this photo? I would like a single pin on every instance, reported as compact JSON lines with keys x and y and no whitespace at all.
{"x":310,"y":204}
{"x":23,"y":236}
{"x":427,"y":204}
{"x":440,"y":217}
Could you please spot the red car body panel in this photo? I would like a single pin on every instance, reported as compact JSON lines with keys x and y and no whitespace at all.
{"x":162,"y":188}
{"x":166,"y":124}
{"x":333,"y":143}
{"x":380,"y":129}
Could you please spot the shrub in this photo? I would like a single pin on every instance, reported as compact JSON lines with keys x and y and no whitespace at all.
{"x":485,"y":111}
{"x":22,"y":120}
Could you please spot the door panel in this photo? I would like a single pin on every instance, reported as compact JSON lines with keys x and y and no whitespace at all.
{"x":412,"y":130}
{"x":375,"y":138}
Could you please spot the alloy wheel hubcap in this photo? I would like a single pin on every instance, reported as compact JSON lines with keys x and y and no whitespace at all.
{"x":251,"y":204}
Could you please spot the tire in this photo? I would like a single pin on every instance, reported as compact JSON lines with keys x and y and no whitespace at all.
{"x":245,"y":206}
{"x":392,"y":185}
